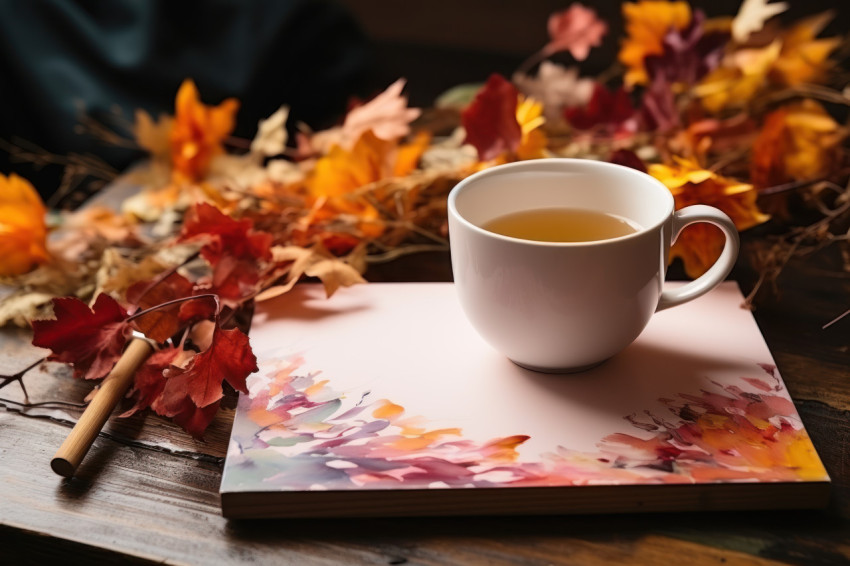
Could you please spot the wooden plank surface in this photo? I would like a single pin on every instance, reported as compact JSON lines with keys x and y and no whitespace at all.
{"x":148,"y":493}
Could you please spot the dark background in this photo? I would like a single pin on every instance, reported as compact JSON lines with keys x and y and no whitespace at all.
{"x":58,"y":58}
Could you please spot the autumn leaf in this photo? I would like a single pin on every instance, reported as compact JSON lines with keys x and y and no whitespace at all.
{"x":334,"y":274}
{"x":198,"y":132}
{"x":700,"y":245}
{"x":271,"y":134}
{"x":752,"y":15}
{"x":627,"y":158}
{"x":229,"y":358}
{"x":576,"y":30}
{"x":234,"y":250}
{"x":646,"y":23}
{"x":797,"y":142}
{"x":490,"y":121}
{"x":739,"y":78}
{"x":154,"y":136}
{"x":90,"y":339}
{"x":529,"y":116}
{"x":160,"y":324}
{"x":386,"y":115}
{"x":314,"y":262}
{"x":23,"y":231}
{"x":687,"y":54}
{"x":149,"y":381}
{"x":336,"y":180}
{"x":803,"y":57}
{"x":557,"y":87}
{"x":611,"y":110}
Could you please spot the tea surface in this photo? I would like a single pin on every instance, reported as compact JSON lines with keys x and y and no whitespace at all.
{"x":561,"y":225}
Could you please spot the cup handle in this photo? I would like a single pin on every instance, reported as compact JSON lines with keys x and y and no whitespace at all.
{"x":717,"y":272}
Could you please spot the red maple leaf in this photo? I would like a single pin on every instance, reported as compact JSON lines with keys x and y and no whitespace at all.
{"x":490,"y":120}
{"x":605,"y":108}
{"x":194,"y":419}
{"x":90,"y":339}
{"x":149,"y":380}
{"x":235,"y":251}
{"x":224,"y":235}
{"x":229,"y":358}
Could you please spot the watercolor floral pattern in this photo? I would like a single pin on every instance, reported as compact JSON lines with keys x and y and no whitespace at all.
{"x":295,"y":432}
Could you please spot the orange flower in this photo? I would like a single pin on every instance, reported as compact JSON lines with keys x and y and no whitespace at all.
{"x":647,"y":21}
{"x":800,"y":141}
{"x":198,"y":132}
{"x":22,"y":226}
{"x":700,"y":245}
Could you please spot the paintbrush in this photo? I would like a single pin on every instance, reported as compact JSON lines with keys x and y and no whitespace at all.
{"x":112,"y":390}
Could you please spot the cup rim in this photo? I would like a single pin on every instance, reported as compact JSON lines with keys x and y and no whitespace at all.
{"x":531,"y":164}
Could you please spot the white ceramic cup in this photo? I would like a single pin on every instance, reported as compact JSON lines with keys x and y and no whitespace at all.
{"x":566,"y":306}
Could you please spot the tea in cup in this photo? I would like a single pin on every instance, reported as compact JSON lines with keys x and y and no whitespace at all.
{"x":560,"y":263}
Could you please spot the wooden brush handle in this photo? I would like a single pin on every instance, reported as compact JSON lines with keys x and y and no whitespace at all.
{"x":113,"y":388}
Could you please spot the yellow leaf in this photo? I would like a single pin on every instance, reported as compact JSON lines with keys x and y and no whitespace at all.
{"x":804,"y":58}
{"x":334,"y":273}
{"x":798,"y":142}
{"x":529,"y":114}
{"x":198,"y":132}
{"x":700,"y":245}
{"x":23,"y":231}
{"x":154,"y":136}
{"x":739,"y":79}
{"x":647,"y":21}
{"x":752,"y":15}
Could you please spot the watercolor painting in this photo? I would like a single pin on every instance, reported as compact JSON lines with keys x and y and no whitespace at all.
{"x":305,"y":427}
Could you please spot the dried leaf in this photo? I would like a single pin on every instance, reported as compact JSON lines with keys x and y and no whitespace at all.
{"x":22,"y":306}
{"x":576,"y":30}
{"x":490,"y":121}
{"x":752,"y":15}
{"x":700,"y":245}
{"x":387,"y":115}
{"x":646,"y":23}
{"x":737,"y":81}
{"x":334,"y":273}
{"x":557,"y":87}
{"x":23,"y":231}
{"x":149,"y":381}
{"x":271,"y":134}
{"x":90,"y":339}
{"x":804,"y":58}
{"x":154,"y":136}
{"x":797,"y":142}
{"x":160,"y":324}
{"x":117,"y":274}
{"x":229,"y":358}
{"x":612,"y":110}
{"x":529,"y":116}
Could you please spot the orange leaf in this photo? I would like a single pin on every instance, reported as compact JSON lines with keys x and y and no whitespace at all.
{"x":699,"y":246}
{"x":804,"y":58}
{"x":22,"y":226}
{"x":798,"y":142}
{"x":198,"y":132}
{"x":647,"y":21}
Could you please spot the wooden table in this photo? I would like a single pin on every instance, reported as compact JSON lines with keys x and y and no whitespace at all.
{"x":147,"y":493}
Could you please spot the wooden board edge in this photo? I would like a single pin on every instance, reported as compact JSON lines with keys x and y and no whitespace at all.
{"x":570,"y":500}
